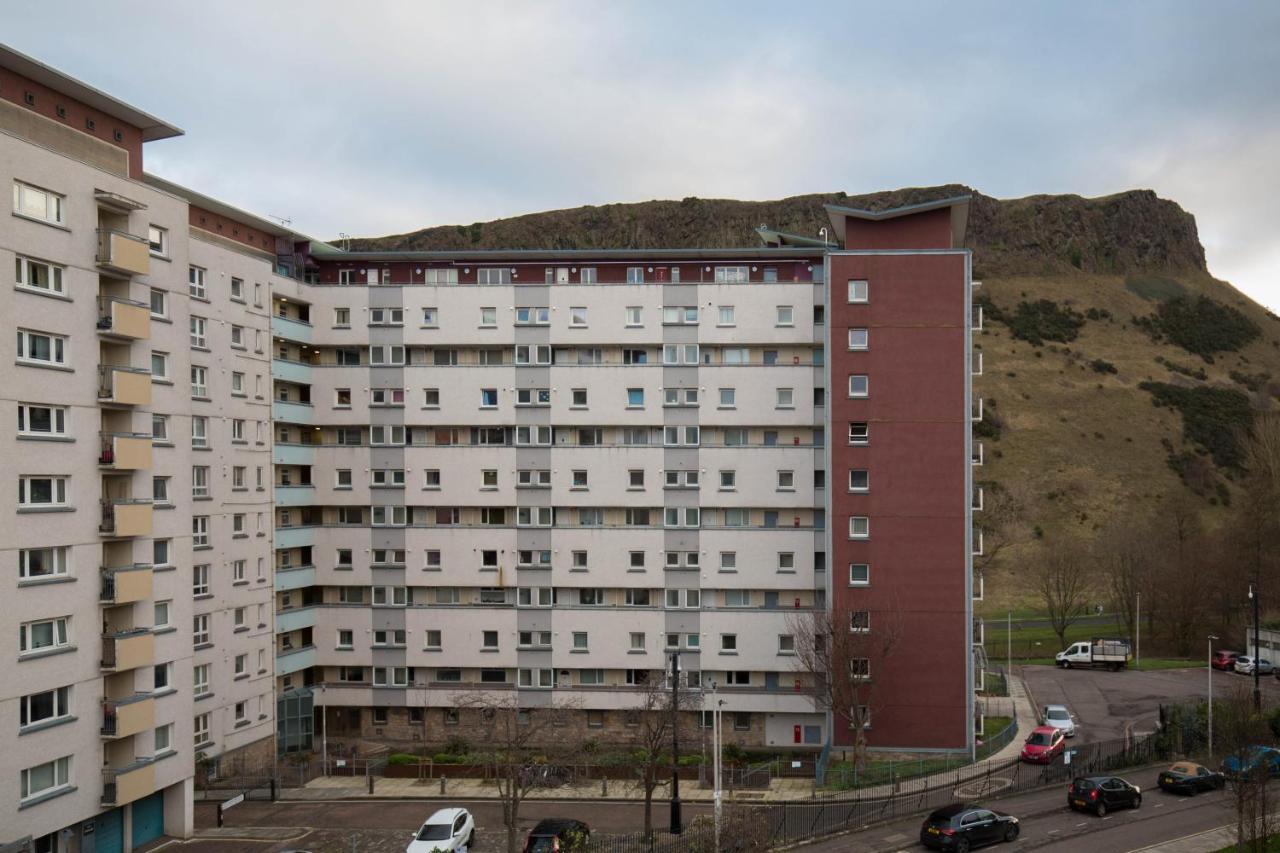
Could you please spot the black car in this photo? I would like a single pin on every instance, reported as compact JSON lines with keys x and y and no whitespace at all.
{"x":1188,"y":778}
{"x":1099,"y":794}
{"x":556,"y":834}
{"x":962,"y":827}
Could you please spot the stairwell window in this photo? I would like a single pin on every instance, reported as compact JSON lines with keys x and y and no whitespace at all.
{"x":859,"y":290}
{"x":199,"y":382}
{"x":858,"y":339}
{"x":859,"y":386}
{"x":199,"y":431}
{"x":37,"y":203}
{"x":859,"y":480}
{"x":859,"y":527}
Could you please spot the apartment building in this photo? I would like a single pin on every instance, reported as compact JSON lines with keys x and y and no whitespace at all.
{"x":137,"y":608}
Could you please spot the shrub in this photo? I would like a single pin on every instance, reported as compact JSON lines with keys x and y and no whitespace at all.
{"x":1252,"y":381}
{"x":1201,"y":326}
{"x":1044,"y":320}
{"x":733,"y":753}
{"x":1100,"y":366}
{"x":446,"y":758}
{"x":397,"y":758}
{"x":457,"y":745}
{"x":690,"y":760}
{"x":1212,"y":418}
{"x":1191,"y":372}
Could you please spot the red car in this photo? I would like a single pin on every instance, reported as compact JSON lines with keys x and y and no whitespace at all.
{"x":1044,"y":744}
{"x":1225,"y":660}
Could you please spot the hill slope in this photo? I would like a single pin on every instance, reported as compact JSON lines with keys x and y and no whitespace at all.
{"x":1071,"y":424}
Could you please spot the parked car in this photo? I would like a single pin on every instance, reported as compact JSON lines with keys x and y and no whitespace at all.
{"x":962,"y":827}
{"x":1188,"y":778}
{"x":1043,"y":745}
{"x":1250,"y":759}
{"x":1244,"y":665}
{"x":555,"y":834}
{"x":1060,"y":718}
{"x":446,"y":830}
{"x":1224,"y":660}
{"x":1101,"y":652}
{"x":1099,"y":794}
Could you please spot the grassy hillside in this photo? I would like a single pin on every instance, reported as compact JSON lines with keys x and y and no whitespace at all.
{"x":1072,"y":423}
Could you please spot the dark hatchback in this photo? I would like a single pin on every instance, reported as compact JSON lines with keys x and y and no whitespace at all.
{"x":556,"y":834}
{"x":1100,"y":794}
{"x":964,"y":827}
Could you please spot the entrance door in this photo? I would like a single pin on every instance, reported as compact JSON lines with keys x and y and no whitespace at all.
{"x":661,"y":274}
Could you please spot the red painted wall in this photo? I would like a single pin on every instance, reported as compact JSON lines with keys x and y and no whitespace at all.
{"x":928,"y":230}
{"x":231,"y":229}
{"x":918,"y":463}
{"x":13,"y":87}
{"x":607,"y":272}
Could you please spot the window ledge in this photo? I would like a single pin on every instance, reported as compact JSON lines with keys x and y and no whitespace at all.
{"x":164,"y":691}
{"x":48,"y":795}
{"x":202,"y":596}
{"x":200,"y":646}
{"x":208,"y":694}
{"x":39,"y":509}
{"x":45,"y":580}
{"x":44,"y":653}
{"x":21,"y":363}
{"x":45,"y":724}
{"x":64,"y":438}
{"x":165,"y":629}
{"x":40,"y":221}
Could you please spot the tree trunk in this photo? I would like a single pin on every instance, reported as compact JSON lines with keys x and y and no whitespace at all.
{"x":648,"y":807}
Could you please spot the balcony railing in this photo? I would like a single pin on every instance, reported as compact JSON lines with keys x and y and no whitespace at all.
{"x":125,"y":318}
{"x":119,"y":383}
{"x":119,"y":516}
{"x":127,"y":716}
{"x":977,"y":318}
{"x":125,"y":450}
{"x":123,"y":252}
{"x":118,"y":647}
{"x":123,"y":584}
{"x":126,"y":784}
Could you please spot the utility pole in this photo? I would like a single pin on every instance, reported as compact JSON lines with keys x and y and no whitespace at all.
{"x":1137,"y":630}
{"x":1008,"y":636}
{"x":324,"y":733}
{"x":676,"y":824}
{"x":1211,"y":639}
{"x":716,"y":702}
{"x":1257,"y":670}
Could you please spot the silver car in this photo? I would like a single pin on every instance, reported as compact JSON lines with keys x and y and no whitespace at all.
{"x":1059,"y":717}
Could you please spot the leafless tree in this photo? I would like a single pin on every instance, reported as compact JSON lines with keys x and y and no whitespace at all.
{"x":1239,"y":728}
{"x":1002,"y":521}
{"x":1123,"y":554}
{"x":520,"y":749}
{"x":651,"y":731}
{"x":1063,"y":581}
{"x":837,"y":652}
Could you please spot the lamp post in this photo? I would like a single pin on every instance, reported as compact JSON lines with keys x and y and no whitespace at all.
{"x":716,"y":703}
{"x":676,"y":824}
{"x":1137,"y":633}
{"x":324,"y":733}
{"x":1211,"y":639}
{"x":1257,"y":670}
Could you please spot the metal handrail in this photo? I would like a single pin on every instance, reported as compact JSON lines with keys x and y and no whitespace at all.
{"x":117,"y":232}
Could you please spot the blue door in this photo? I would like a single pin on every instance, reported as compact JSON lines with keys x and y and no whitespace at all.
{"x":148,"y":818}
{"x":108,"y":832}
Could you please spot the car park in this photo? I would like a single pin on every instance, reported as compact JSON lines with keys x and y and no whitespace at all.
{"x":556,"y":834}
{"x":445,"y":830}
{"x":963,"y":827}
{"x":1252,"y":759}
{"x":1100,"y":794}
{"x":1224,"y":660}
{"x":1043,"y":745}
{"x":1186,"y":777}
{"x":1244,"y":665}
{"x":1059,"y":717}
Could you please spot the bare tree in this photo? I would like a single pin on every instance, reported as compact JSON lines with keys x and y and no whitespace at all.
{"x":1123,"y":554}
{"x":1240,"y":728}
{"x":1001,"y":520}
{"x":651,"y":735}
{"x":1063,"y":583}
{"x":837,"y":651}
{"x":520,"y":749}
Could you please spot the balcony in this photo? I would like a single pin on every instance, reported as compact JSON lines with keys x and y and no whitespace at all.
{"x":124,"y":318}
{"x":125,"y":584}
{"x":289,"y":661}
{"x":124,"y":386}
{"x":292,"y":330}
{"x":979,"y":497}
{"x":977,"y":318}
{"x":120,"y":252}
{"x":977,"y":364}
{"x":125,"y":517}
{"x":294,"y":537}
{"x":128,"y":716}
{"x":294,"y":413}
{"x":303,"y":495}
{"x":979,"y":587}
{"x":125,"y":451}
{"x":124,"y":650}
{"x":297,"y":577}
{"x":295,"y":620}
{"x":291,"y":371}
{"x":293,"y":454}
{"x":122,"y":785}
{"x":978,"y":543}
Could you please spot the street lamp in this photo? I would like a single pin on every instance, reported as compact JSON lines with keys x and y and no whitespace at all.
{"x":676,"y":824}
{"x":1257,"y":669}
{"x":1211,"y":639}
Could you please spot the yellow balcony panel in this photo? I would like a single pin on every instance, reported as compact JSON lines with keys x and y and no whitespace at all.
{"x":123,"y":253}
{"x":124,"y":386}
{"x":128,"y":650}
{"x":126,"y":784}
{"x":126,"y":584}
{"x":124,"y":318}
{"x":128,"y":716}
{"x":125,"y":451}
{"x":126,"y":517}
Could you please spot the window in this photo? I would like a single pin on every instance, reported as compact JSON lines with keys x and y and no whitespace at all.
{"x":237,"y":336}
{"x":859,"y":527}
{"x":493,"y":275}
{"x":38,"y":275}
{"x":200,"y":579}
{"x":785,"y":398}
{"x":158,"y":238}
{"x":160,"y":614}
{"x":379,"y":355}
{"x":729,"y":643}
{"x":44,"y":634}
{"x":578,"y":316}
{"x":38,"y":204}
{"x":533,"y":316}
{"x":199,"y":382}
{"x":859,"y":574}
{"x":786,"y":315}
{"x":579,"y":561}
{"x":859,"y":480}
{"x":200,"y":531}
{"x":200,"y":679}
{"x":488,"y":318}
{"x":731,"y":275}
{"x":199,"y":481}
{"x":728,"y":481}
{"x":200,"y":727}
{"x":635,"y":275}
{"x":39,"y":348}
{"x":386,"y":316}
{"x":786,"y":481}
{"x":45,"y":778}
{"x":159,"y":303}
{"x":728,"y":398}
{"x":37,"y":492}
{"x":859,"y":433}
{"x":725,"y":316}
{"x":196,"y":282}
{"x":635,"y":398}
{"x":341,"y":318}
{"x":860,"y":621}
{"x":163,"y":739}
{"x":237,"y":384}
{"x":859,"y":386}
{"x":590,"y":677}
{"x":858,"y":339}
{"x":45,"y":707}
{"x":858,"y":290}
{"x":161,"y":677}
{"x":860,"y":669}
{"x":634,"y":316}
{"x":387,"y":397}
{"x":237,"y":289}
{"x":160,"y":552}
{"x":42,"y":563}
{"x":488,"y":398}
{"x":200,"y":629}
{"x":41,"y":421}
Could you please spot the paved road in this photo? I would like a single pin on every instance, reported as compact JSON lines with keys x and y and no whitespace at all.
{"x":1105,"y":703}
{"x":1048,"y":824}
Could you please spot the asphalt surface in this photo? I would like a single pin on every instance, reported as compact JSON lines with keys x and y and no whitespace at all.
{"x":1105,"y":704}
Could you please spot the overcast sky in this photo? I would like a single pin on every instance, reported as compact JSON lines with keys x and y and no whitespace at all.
{"x":375,"y":117}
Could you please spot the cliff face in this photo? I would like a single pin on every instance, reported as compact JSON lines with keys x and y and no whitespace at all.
{"x":1128,"y":232}
{"x":1117,"y":370}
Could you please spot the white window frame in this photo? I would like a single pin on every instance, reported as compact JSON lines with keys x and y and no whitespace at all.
{"x":58,"y":417}
{"x":54,"y":276}
{"x":57,"y":491}
{"x":60,"y":775}
{"x":859,"y":340}
{"x":859,"y":291}
{"x":56,"y":560}
{"x":859,"y":385}
{"x":859,"y":527}
{"x":197,"y":282}
{"x":26,"y":196}
{"x":59,"y":633}
{"x":58,"y":346}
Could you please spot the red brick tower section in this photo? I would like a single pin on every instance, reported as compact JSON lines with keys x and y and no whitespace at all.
{"x":898,"y":308}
